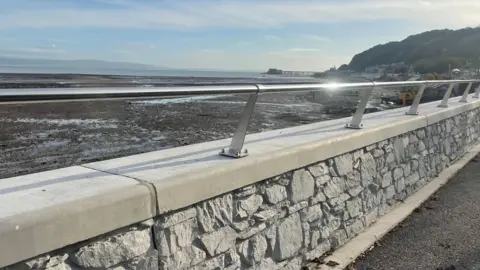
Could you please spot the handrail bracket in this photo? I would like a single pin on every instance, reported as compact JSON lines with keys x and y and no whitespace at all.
{"x":465,"y":93}
{"x":477,"y":93}
{"x":416,"y":102}
{"x":236,"y":149}
{"x":444,"y":103}
{"x":356,"y":122}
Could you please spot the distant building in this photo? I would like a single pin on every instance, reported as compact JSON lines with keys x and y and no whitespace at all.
{"x":275,"y":71}
{"x":399,"y":67}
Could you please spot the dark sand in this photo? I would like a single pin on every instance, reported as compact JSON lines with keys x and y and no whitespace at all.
{"x":43,"y":136}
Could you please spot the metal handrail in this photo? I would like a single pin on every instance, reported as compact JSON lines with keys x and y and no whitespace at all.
{"x":236,"y":147}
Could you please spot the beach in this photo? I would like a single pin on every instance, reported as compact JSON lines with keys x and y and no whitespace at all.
{"x":43,"y":136}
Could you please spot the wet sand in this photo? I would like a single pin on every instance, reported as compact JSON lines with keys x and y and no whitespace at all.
{"x":43,"y":136}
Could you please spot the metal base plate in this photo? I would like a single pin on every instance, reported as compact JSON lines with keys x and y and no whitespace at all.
{"x":443,"y":106}
{"x":234,"y":154}
{"x":409,"y":113}
{"x":352,"y":126}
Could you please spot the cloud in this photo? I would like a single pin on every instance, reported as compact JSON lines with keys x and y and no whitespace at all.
{"x":120,"y":51}
{"x":302,"y":50}
{"x":213,"y":51}
{"x":317,"y":38}
{"x":194,"y":14}
{"x":140,"y":45}
{"x":40,"y":51}
{"x":244,"y":43}
{"x":270,"y":37}
{"x":7,"y":39}
{"x":288,"y":60}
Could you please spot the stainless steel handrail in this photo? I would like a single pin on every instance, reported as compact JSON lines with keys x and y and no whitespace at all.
{"x":49,"y":94}
{"x":236,"y":147}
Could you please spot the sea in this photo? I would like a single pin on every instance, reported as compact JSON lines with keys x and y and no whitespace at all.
{"x":128,"y":72}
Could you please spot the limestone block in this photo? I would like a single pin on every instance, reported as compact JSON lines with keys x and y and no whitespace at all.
{"x":368,"y":168}
{"x":319,"y":181}
{"x":354,"y":227}
{"x":183,"y":233}
{"x":321,"y":249}
{"x":339,"y":199}
{"x":318,"y":170}
{"x":390,"y":192}
{"x":276,"y":194}
{"x":315,"y":236}
{"x":253,"y":250}
{"x":297,"y":207}
{"x":397,"y":174}
{"x":354,"y":207}
{"x":187,"y":257}
{"x":249,"y":206}
{"x":334,"y":188}
{"x":148,"y":261}
{"x":320,"y":197}
{"x":390,"y":158}
{"x":400,"y":185}
{"x":215,"y":213}
{"x":343,"y":164}
{"x":167,"y":220}
{"x":114,"y":249}
{"x":265,"y":215}
{"x":252,"y":231}
{"x":378,"y":153}
{"x":302,"y":186}
{"x":245,"y":191}
{"x":386,"y":180}
{"x":289,"y":238}
{"x":42,"y":262}
{"x":357,"y":154}
{"x":407,"y":170}
{"x":267,"y":263}
{"x":219,"y":241}
{"x":294,"y":264}
{"x":312,"y":213}
{"x":399,"y":150}
{"x":338,"y":238}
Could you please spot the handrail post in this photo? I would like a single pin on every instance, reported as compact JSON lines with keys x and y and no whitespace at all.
{"x":447,"y":95}
{"x":236,"y":149}
{"x":477,"y":92}
{"x":356,"y":122}
{"x":416,"y":102}
{"x":465,"y":93}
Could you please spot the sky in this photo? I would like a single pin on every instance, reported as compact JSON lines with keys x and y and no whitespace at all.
{"x":246,"y":35}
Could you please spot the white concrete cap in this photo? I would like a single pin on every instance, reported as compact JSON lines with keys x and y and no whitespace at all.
{"x":44,"y":211}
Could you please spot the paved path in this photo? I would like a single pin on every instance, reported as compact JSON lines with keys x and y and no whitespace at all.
{"x":442,"y":234}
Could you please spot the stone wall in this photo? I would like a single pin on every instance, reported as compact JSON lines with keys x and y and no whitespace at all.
{"x":285,"y":221}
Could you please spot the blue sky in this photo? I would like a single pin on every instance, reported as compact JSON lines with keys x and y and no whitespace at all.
{"x":220,"y":34}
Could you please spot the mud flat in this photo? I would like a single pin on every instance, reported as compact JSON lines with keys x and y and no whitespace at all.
{"x":43,"y":136}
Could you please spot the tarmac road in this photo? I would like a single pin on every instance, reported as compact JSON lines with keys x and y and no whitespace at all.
{"x":442,"y":234}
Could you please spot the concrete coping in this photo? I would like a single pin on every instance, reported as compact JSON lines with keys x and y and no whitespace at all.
{"x":45,"y":211}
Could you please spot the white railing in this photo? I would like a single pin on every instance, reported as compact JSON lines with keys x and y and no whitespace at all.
{"x":236,"y":149}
